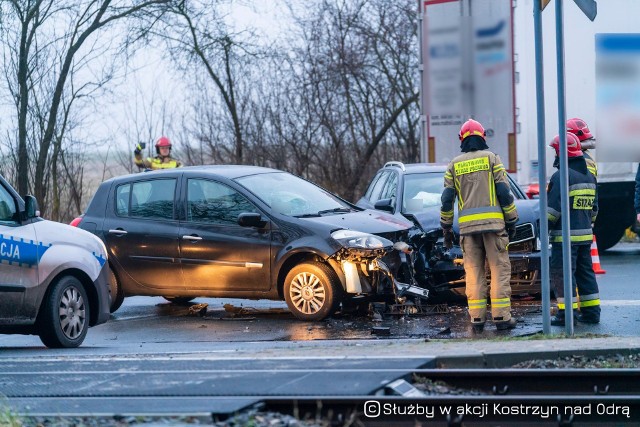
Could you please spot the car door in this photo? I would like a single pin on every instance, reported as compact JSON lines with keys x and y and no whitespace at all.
{"x":19,"y":255}
{"x":216,"y":253}
{"x":141,"y":232}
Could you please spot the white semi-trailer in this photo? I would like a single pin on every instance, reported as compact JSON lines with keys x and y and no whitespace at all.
{"x":478,"y":60}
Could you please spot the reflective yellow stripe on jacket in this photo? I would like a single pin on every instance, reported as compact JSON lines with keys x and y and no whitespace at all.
{"x":475,"y":214}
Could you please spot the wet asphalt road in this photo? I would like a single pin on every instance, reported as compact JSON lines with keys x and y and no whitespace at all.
{"x":153,"y":325}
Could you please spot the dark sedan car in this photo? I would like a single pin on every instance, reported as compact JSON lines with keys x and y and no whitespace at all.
{"x":241,"y":232}
{"x":413,"y":191}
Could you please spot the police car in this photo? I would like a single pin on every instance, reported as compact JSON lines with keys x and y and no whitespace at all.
{"x":53,"y":277}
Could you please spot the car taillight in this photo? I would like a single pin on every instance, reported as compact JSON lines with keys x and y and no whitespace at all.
{"x":76,"y":221}
{"x":533,"y":191}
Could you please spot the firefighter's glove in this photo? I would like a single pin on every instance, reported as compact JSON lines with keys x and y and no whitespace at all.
{"x":138,"y":150}
{"x":448,"y":237}
{"x":511,"y":230}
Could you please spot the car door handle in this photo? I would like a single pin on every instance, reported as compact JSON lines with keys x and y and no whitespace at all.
{"x":192,"y":238}
{"x":119,"y":232}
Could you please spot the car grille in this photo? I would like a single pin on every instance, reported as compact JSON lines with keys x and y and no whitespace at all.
{"x":523,"y":232}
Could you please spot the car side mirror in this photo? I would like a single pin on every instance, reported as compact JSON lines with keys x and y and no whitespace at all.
{"x":384,"y":205}
{"x":30,"y":207}
{"x":251,"y":219}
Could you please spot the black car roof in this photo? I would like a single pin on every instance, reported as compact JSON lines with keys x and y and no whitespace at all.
{"x":409,"y":168}
{"x":226,"y":171}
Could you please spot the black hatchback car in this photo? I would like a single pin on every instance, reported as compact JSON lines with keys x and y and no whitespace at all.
{"x":241,"y":232}
{"x":413,"y":191}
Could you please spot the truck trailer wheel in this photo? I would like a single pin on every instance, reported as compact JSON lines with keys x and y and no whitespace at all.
{"x":607,"y":236}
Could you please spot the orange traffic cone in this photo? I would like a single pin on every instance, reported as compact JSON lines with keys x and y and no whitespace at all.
{"x":595,"y":258}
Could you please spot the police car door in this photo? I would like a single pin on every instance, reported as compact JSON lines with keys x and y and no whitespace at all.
{"x":18,"y":259}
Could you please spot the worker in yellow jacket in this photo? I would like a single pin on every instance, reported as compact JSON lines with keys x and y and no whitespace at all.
{"x":162,"y":160}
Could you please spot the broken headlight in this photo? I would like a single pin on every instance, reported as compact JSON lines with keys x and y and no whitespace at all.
{"x":360,"y":240}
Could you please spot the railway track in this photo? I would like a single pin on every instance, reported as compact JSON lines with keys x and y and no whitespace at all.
{"x":375,"y":390}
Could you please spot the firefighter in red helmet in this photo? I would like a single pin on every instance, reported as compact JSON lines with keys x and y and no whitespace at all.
{"x":486,"y":216}
{"x":583,"y":209}
{"x":579,"y":128}
{"x":162,"y":160}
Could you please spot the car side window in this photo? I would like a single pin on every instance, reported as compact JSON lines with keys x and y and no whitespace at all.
{"x":377,"y":187}
{"x":215,"y":203}
{"x":8,"y":211}
{"x":122,"y":199}
{"x":151,"y":199}
{"x":390,"y":188}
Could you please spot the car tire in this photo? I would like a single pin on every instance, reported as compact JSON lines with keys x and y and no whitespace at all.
{"x":312,"y":291}
{"x":116,"y":294}
{"x":63,"y":320}
{"x":179,"y":300}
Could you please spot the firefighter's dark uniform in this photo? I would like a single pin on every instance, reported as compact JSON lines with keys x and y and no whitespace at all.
{"x":157,"y":162}
{"x":592,"y":167}
{"x":478,"y":179}
{"x":583,"y":208}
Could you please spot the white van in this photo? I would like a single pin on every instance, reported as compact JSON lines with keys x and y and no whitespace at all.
{"x":53,"y":277}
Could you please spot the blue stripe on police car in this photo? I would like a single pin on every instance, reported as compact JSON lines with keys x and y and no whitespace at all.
{"x":21,"y":251}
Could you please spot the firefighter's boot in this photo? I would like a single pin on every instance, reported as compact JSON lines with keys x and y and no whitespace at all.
{"x":588,"y":317}
{"x":558,"y":319}
{"x":509,"y":324}
{"x":477,"y":327}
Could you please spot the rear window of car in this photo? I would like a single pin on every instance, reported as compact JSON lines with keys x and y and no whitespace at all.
{"x":146,"y":199}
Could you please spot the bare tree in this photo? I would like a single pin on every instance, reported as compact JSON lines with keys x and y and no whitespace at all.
{"x":202,"y":45}
{"x":353,"y":69}
{"x":46,"y":39}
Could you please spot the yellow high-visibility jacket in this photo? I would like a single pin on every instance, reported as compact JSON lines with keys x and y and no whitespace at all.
{"x":478,"y":180}
{"x":156,"y":162}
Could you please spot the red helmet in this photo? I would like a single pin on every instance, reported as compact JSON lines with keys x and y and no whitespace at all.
{"x":579,"y":128}
{"x":471,"y":127}
{"x":573,"y":145}
{"x":163,"y":141}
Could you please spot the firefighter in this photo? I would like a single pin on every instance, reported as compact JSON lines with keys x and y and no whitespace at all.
{"x":162,"y":160}
{"x":486,"y":217}
{"x":579,"y":128}
{"x":583,"y":209}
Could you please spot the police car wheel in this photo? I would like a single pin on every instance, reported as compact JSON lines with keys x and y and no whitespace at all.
{"x":116,"y":294}
{"x":312,"y":291}
{"x":64,"y":317}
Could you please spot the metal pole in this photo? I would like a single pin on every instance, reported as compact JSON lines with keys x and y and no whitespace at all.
{"x":423,"y":120}
{"x":542,"y":172}
{"x":564,"y":176}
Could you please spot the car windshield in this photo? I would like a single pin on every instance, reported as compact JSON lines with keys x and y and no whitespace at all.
{"x":422,"y":190}
{"x":289,"y":195}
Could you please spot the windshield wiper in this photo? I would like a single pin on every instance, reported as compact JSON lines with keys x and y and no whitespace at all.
{"x":335,"y":210}
{"x":307,"y":215}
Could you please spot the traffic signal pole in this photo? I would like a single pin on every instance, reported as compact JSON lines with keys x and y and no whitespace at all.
{"x":564,"y":175}
{"x":542,"y":172}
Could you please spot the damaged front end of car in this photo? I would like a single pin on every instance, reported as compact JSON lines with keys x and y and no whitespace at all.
{"x":372,"y":267}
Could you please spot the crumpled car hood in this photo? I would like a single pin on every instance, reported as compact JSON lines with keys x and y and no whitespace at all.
{"x":368,"y":221}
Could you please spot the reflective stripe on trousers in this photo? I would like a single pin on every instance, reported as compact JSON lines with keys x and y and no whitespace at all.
{"x":491,"y":247}
{"x":583,"y":278}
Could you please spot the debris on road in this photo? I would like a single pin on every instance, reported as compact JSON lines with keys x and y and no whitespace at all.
{"x":198,"y":309}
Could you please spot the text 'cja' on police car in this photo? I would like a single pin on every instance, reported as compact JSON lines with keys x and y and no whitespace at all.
{"x":53,"y":277}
